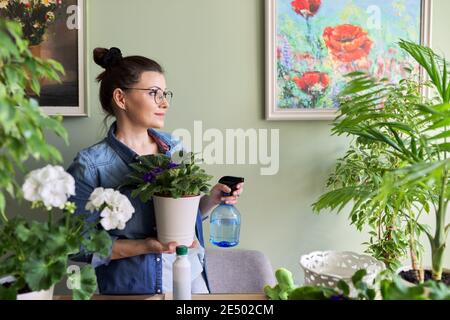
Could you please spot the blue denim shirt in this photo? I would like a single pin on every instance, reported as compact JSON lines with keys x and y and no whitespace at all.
{"x":105,"y":164}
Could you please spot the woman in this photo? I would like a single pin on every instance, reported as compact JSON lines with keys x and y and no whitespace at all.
{"x":133,"y":91}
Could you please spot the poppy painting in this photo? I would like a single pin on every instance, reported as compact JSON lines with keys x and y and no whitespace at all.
{"x":313,"y":44}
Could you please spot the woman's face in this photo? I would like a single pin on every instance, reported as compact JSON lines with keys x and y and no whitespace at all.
{"x":141,"y":107}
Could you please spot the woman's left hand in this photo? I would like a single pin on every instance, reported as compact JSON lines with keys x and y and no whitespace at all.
{"x":215,"y":196}
{"x":216,"y":193}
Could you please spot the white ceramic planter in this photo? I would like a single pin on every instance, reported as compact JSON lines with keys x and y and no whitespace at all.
{"x":408,"y":267}
{"x":405,"y":268}
{"x":37,"y":295}
{"x":327,"y":268}
{"x":175,"y":219}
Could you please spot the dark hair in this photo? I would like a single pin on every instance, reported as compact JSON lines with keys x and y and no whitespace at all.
{"x":120,"y":72}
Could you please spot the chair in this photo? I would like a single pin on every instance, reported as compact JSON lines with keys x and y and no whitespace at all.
{"x":238,"y":271}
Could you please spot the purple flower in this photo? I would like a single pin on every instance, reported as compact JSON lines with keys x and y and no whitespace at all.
{"x":157,"y":171}
{"x":338,"y":297}
{"x":149,"y":177}
{"x":286,"y":53}
{"x":172,"y":165}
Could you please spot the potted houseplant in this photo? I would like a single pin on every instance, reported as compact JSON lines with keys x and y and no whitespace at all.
{"x":175,"y":184}
{"x":392,"y":224}
{"x":33,"y":253}
{"x":420,"y":144}
{"x":386,"y":286}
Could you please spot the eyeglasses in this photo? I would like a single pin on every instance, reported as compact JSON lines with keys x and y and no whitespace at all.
{"x":157,"y":94}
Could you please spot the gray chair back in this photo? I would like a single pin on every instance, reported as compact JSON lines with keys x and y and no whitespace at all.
{"x":238,"y":271}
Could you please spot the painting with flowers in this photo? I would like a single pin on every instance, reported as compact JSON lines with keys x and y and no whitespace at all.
{"x":316,"y":43}
{"x":53,"y":29}
{"x":34,"y":16}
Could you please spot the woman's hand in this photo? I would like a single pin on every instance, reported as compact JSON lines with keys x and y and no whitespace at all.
{"x":215,"y":197}
{"x":154,"y":246}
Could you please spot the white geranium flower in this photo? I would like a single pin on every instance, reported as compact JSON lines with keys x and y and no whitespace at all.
{"x":30,"y":188}
{"x":116,"y":208}
{"x":109,"y":219}
{"x":50,"y":185}
{"x":96,"y":199}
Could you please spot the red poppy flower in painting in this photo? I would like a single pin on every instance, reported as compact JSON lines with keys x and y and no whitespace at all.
{"x":347,"y":42}
{"x":313,"y":82}
{"x":306,"y":8}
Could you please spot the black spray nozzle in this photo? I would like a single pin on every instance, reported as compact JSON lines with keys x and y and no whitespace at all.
{"x":231,"y":182}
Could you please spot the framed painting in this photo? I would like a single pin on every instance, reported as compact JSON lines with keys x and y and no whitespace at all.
{"x":312,"y":44}
{"x":54,"y":29}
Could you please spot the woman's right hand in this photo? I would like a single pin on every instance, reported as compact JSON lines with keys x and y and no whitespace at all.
{"x":124,"y":248}
{"x":154,"y":246}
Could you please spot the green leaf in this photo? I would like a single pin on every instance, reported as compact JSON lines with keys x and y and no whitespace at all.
{"x":23,"y":233}
{"x":84,"y":283}
{"x":35,"y":86}
{"x":41,"y":274}
{"x":2,"y":203}
{"x":344,"y":287}
{"x":8,"y":293}
{"x":99,"y":242}
{"x":312,"y":293}
{"x":358,"y":276}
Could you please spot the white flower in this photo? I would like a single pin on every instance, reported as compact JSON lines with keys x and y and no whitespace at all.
{"x":116,"y":208}
{"x":3,"y":4}
{"x":109,"y":219}
{"x":51,"y":185}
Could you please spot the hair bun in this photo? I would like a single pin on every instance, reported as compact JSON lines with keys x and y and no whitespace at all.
{"x":107,"y":58}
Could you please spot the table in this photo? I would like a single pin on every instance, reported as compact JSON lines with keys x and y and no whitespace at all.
{"x":168,"y":296}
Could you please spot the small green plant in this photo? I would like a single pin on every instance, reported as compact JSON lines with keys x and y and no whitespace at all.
{"x":284,"y":286}
{"x":164,"y":176}
{"x":389,"y":285}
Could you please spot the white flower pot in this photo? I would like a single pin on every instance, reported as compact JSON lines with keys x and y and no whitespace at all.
{"x":34,"y":295}
{"x":37,"y":295}
{"x":175,"y":219}
{"x":327,"y":268}
{"x":408,"y":268}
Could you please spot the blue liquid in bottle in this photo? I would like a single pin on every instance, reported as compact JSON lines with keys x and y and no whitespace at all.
{"x":225,"y":226}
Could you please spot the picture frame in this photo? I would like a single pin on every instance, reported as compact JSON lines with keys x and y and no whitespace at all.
{"x":55,"y":30}
{"x":72,"y":108}
{"x":325,"y":90}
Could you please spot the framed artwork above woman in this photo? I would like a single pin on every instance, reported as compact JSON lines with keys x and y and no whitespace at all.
{"x":312,"y":44}
{"x":54,"y":29}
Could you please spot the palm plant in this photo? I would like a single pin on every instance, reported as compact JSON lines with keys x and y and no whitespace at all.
{"x":416,"y":137}
{"x":392,"y":224}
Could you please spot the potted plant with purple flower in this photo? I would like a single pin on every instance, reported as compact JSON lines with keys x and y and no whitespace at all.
{"x":175,"y":184}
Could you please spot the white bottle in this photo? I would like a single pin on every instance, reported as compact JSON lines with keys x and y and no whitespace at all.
{"x":182,"y":275}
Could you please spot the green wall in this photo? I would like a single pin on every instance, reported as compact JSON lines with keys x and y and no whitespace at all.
{"x":213,"y":52}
